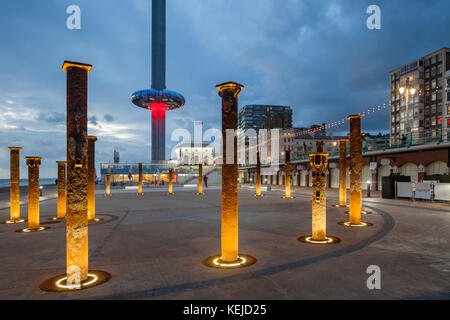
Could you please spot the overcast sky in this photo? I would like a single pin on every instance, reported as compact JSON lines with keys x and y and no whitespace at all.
{"x":316,"y":56}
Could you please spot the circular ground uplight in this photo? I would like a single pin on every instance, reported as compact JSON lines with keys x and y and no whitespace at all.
{"x":329,"y":240}
{"x":13,"y":222}
{"x":96,"y":220}
{"x":28,"y":230}
{"x":361,"y":224}
{"x":59,"y":283}
{"x":339,"y":206}
{"x":56,"y":218}
{"x":244,"y":260}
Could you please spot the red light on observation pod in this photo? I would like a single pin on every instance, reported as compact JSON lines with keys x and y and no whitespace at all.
{"x":440,"y":121}
{"x":159,"y":106}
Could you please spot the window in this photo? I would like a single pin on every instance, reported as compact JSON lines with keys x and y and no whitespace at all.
{"x":440,"y":110}
{"x":402,"y":126}
{"x":433,"y":72}
{"x":427,"y":62}
{"x":440,"y":71}
{"x":439,"y":83}
{"x":439,"y":57}
{"x":433,"y":60}
{"x":433,"y":97}
{"x":393,"y":119}
{"x":433,"y":84}
{"x":433,"y":109}
{"x":427,"y":75}
{"x":448,"y":96}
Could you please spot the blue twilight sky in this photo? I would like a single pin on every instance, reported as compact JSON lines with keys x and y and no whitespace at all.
{"x":316,"y":56}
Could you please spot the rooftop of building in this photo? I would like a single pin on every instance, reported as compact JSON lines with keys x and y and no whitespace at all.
{"x":424,"y":57}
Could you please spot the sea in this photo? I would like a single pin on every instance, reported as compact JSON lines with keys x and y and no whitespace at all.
{"x":24,"y":182}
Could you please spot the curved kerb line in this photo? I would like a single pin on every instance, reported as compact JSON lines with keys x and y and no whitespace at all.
{"x":388,"y":225}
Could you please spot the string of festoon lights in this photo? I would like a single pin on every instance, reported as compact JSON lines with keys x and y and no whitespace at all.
{"x":367,"y":112}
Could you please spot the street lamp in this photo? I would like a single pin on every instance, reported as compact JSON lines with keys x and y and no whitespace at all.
{"x":407,"y":91}
{"x":369,"y":186}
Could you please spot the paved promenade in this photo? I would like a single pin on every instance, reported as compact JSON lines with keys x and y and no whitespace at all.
{"x":153,"y":247}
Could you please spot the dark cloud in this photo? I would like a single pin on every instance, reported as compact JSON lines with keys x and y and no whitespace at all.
{"x":52,"y":117}
{"x":108,"y":118}
{"x":93,"y":120}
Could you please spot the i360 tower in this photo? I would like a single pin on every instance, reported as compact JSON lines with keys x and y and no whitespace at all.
{"x":158,"y":99}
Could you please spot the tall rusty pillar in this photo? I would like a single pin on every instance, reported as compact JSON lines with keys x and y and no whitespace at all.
{"x":91,"y":178}
{"x":77,"y":274}
{"x":230,"y":257}
{"x":287,"y":175}
{"x":200,"y":179}
{"x":170,"y":182}
{"x":319,"y":162}
{"x":355,"y":173}
{"x":258,"y":175}
{"x":141,"y":178}
{"x":108,"y":184}
{"x":319,"y":146}
{"x":343,"y":172}
{"x":61,"y":213}
{"x":14,"y":186}
{"x":77,"y":169}
{"x":33,"y":164}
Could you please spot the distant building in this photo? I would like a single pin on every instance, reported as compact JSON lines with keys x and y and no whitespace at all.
{"x":446,"y":126}
{"x":188,"y":154}
{"x":265,"y":116}
{"x":378,"y":142}
{"x":417,"y":98}
{"x":116,"y":157}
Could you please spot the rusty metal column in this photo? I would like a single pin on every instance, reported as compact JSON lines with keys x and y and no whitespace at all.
{"x":200,"y":179}
{"x":258,"y":175}
{"x":14,"y":185}
{"x":287,"y":176}
{"x":319,"y":163}
{"x":170,"y":182}
{"x":91,"y":177}
{"x":343,"y":172}
{"x":229,"y":93}
{"x":230,"y":256}
{"x":33,"y":164}
{"x":77,"y":274}
{"x":61,"y":189}
{"x":108,"y":184}
{"x":77,"y":170}
{"x":319,"y":146}
{"x":140,"y":180}
{"x":355,"y":169}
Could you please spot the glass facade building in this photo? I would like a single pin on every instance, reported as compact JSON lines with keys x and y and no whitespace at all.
{"x":265,"y":116}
